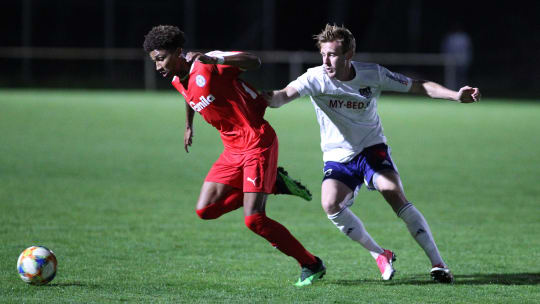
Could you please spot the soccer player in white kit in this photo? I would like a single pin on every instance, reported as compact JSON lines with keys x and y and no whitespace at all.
{"x":344,"y":94}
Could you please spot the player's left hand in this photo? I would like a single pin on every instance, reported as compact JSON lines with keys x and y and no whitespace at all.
{"x":468,"y":94}
{"x":188,"y":138}
{"x":196,"y":56}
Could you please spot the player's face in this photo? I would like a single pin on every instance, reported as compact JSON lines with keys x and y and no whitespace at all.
{"x":167,"y":62}
{"x":335,"y":62}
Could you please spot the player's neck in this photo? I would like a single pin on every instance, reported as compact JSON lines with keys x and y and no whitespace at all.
{"x":348,"y":73}
{"x":183,"y":75}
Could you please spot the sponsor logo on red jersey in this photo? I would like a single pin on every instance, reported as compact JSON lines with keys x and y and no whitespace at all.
{"x":203,"y":103}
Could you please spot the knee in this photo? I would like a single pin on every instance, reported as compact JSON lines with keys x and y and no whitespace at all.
{"x":206,"y":214}
{"x":330,"y":206}
{"x":254,"y":222}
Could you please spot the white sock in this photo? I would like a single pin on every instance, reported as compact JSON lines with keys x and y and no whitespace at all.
{"x":419,"y":229}
{"x":348,"y":223}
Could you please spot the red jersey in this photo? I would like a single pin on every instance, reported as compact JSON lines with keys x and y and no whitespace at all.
{"x":229,"y":104}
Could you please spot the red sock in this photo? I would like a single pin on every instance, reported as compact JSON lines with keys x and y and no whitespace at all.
{"x":233,"y":201}
{"x":279,"y":237}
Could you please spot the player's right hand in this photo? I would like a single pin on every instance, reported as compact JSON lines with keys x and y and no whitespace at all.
{"x":188,"y":138}
{"x":468,"y":94}
{"x":196,"y":56}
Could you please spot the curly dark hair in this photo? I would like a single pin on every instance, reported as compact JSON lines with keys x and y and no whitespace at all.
{"x":164,"y":37}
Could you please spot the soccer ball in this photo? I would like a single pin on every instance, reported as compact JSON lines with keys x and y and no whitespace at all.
{"x":37,"y":265}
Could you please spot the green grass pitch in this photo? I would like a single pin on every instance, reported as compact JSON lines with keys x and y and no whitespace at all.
{"x":101,"y":178}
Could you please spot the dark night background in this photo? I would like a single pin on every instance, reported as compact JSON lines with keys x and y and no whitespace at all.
{"x":505,"y":35}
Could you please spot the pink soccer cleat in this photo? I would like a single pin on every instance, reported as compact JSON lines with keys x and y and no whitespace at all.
{"x":384,"y":261}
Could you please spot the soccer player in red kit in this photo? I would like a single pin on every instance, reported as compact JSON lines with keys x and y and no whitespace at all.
{"x":245,"y":173}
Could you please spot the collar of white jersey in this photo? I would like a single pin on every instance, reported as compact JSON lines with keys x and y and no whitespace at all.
{"x":344,"y":81}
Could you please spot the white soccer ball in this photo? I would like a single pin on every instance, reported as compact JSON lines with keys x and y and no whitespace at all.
{"x":37,"y":265}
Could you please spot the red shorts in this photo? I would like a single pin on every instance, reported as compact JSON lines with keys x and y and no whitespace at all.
{"x":249,"y":171}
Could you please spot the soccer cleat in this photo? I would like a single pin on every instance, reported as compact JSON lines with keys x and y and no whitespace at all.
{"x":442,"y":274}
{"x":311,"y":273}
{"x":384,"y":261}
{"x":286,"y":185}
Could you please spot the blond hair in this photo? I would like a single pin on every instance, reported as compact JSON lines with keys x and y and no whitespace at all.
{"x":336,"y":33}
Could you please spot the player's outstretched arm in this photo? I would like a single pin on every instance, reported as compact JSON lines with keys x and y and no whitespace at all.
{"x":188,"y":132}
{"x":243,"y":60}
{"x":276,"y":99}
{"x":432,"y":89}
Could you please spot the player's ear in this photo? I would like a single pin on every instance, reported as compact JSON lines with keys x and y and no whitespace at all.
{"x":349,"y":54}
{"x":178,"y":52}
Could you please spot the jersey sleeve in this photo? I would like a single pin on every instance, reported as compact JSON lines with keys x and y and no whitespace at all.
{"x":391,"y":81}
{"x":306,"y":84}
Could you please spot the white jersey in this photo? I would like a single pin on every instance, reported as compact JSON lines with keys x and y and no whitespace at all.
{"x":347,"y":110}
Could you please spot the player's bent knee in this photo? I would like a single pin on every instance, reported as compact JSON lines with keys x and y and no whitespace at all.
{"x":330,"y":206}
{"x":255,"y":222}
{"x":206,"y":214}
{"x":251,"y":223}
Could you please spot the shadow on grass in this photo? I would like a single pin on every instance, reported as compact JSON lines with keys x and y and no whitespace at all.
{"x":498,"y":278}
{"x":73,"y":284}
{"x":462,"y":279}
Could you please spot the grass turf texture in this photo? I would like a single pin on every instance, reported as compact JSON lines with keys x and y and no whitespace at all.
{"x":101,"y":178}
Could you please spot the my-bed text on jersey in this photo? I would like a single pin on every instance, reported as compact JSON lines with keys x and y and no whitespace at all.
{"x":349,"y":104}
